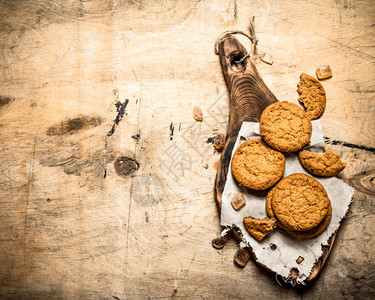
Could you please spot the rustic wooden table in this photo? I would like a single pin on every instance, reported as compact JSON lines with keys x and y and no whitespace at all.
{"x":93,"y":90}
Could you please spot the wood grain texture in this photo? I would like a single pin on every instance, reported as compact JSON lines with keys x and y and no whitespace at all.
{"x":71,"y":227}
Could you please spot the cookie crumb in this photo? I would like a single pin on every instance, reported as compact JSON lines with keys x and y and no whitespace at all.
{"x":273,"y":247}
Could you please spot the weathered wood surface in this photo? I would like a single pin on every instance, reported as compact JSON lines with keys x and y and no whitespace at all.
{"x":70,"y":226}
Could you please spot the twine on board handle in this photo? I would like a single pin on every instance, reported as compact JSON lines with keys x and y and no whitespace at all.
{"x":252,"y":37}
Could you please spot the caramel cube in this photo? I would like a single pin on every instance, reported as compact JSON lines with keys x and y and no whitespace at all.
{"x":299,"y":260}
{"x":267,"y":58}
{"x":324,"y":72}
{"x":238,"y":201}
{"x":219,"y":141}
{"x":241,"y":257}
{"x":197,"y":113}
{"x":219,"y":242}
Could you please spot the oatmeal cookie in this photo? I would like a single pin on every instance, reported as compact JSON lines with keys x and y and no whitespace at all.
{"x":299,"y":202}
{"x":285,"y":126}
{"x":300,"y":234}
{"x":312,"y":96}
{"x":316,"y":230}
{"x":257,"y":166}
{"x":325,"y":165}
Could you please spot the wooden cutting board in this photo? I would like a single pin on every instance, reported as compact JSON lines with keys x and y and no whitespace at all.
{"x":249,"y":96}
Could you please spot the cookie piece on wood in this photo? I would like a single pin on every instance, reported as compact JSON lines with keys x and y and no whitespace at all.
{"x":259,"y":228}
{"x":299,"y":202}
{"x":285,"y":127}
{"x":326,"y":165}
{"x":312,"y":96}
{"x":257,"y":166}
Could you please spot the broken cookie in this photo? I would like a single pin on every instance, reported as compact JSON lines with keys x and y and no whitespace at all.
{"x":325,"y":165}
{"x":259,"y":228}
{"x":312,"y":96}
